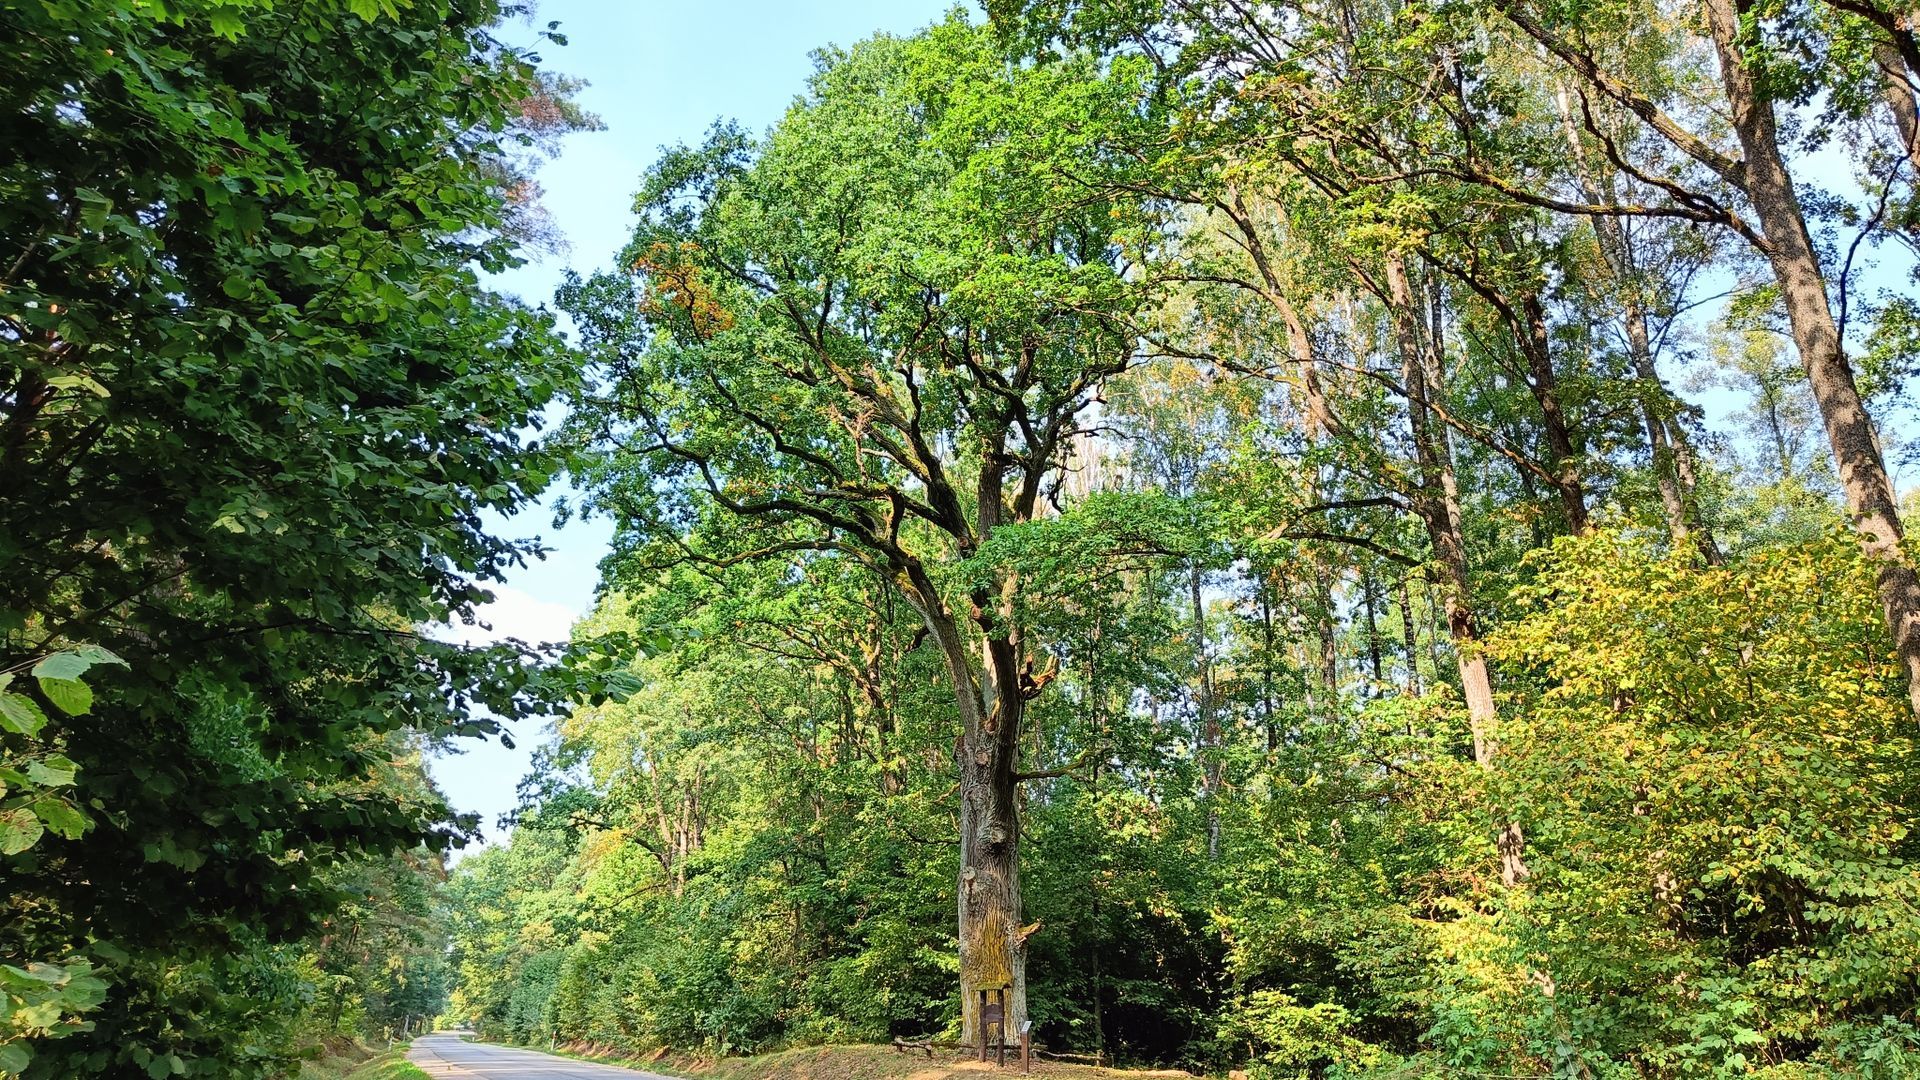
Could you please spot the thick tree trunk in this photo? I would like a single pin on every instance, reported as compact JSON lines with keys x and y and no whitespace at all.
{"x":1438,"y":505}
{"x":1796,"y":269}
{"x":993,"y":943}
{"x":992,"y":706}
{"x":993,"y":954}
{"x":1897,"y":91}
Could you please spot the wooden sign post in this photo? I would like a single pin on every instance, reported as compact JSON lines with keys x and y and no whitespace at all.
{"x":994,"y":1014}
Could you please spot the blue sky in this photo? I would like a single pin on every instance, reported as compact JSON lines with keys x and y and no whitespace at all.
{"x":660,"y":74}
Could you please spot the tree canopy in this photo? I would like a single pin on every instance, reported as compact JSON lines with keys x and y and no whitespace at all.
{"x":1320,"y":541}
{"x":1216,"y":490}
{"x":254,"y":403}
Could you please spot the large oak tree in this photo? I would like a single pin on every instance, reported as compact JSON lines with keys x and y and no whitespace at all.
{"x":875,"y":336}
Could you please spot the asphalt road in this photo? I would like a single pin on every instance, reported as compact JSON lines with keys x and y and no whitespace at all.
{"x":446,"y":1056}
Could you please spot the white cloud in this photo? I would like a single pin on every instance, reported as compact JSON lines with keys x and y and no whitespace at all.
{"x":514,"y":614}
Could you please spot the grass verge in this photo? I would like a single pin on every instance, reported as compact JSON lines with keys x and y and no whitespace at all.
{"x":855,"y":1062}
{"x":351,"y":1061}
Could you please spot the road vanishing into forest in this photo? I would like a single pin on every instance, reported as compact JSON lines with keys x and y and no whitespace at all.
{"x":447,"y":1056}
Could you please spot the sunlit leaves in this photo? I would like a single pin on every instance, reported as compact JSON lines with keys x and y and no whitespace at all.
{"x":1711,"y":764}
{"x":256,"y":398}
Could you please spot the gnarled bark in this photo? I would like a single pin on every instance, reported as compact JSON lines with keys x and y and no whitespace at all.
{"x":987,"y":889}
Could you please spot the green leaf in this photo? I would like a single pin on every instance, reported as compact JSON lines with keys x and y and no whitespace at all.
{"x":53,"y":771}
{"x":19,"y":980}
{"x":62,"y":817}
{"x":19,"y":830}
{"x":86,"y":992}
{"x":21,"y":715}
{"x":236,"y":286}
{"x":95,"y":654}
{"x":79,"y":381}
{"x":68,"y":664}
{"x":15,"y":1057}
{"x":70,"y":696}
{"x":42,"y":1014}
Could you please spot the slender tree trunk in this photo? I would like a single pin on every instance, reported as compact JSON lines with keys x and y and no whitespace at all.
{"x":1099,"y":988}
{"x":1683,"y":467}
{"x":1301,"y":658}
{"x":1319,"y":422}
{"x":1439,"y":510}
{"x":1667,"y":442}
{"x":1534,"y":342}
{"x":1412,"y":638}
{"x":1436,"y":660}
{"x":1367,"y":591}
{"x":1319,"y":415}
{"x":1796,"y":269}
{"x":1097,"y":699}
{"x":1536,"y":345}
{"x":1266,"y":666}
{"x":1209,"y":723}
{"x":1438,"y":505}
{"x":1329,"y":658}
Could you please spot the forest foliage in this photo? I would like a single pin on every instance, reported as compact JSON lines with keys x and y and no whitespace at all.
{"x":253,"y":403}
{"x":1224,"y":500}
{"x":1331,"y":541}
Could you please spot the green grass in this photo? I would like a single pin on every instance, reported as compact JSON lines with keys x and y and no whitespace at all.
{"x":392,"y":1065}
{"x":354,"y":1064}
